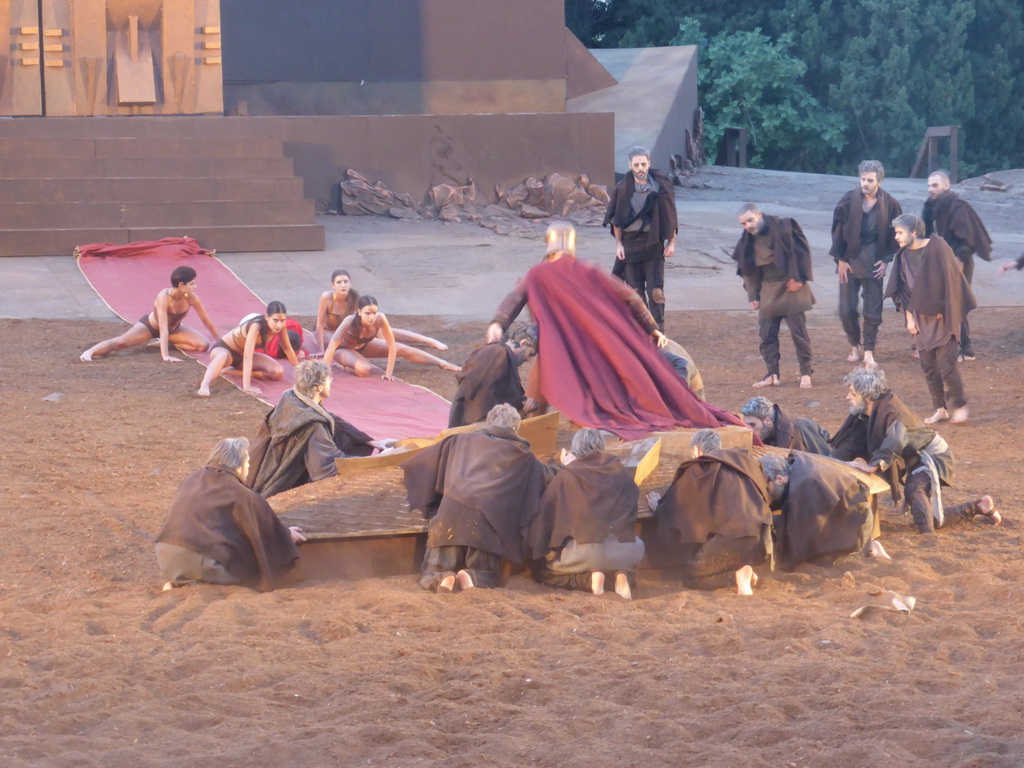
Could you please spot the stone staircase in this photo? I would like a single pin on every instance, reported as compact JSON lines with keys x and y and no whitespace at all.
{"x":66,"y":182}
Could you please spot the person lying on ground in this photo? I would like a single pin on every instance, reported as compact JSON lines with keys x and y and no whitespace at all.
{"x":585,"y":527}
{"x":299,"y":440}
{"x":219,"y":532}
{"x":367,"y":333}
{"x":883,"y":435}
{"x":237,"y":349}
{"x":165,"y":322}
{"x":777,"y":428}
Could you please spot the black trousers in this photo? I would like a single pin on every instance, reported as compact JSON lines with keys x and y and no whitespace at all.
{"x":643,"y":270}
{"x":483,"y":567}
{"x":870,"y":290}
{"x":918,"y":490}
{"x":965,"y":328}
{"x":769,"y":329}
{"x":943,"y":376}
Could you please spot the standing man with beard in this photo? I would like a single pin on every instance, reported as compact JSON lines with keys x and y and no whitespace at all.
{"x":945,"y":214}
{"x":774,"y":260}
{"x":642,"y":214}
{"x":863,"y":245}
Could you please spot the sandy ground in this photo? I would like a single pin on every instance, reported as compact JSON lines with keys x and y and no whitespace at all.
{"x":100,"y":668}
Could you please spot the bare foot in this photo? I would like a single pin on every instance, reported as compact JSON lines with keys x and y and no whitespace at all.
{"x":447,"y":584}
{"x":745,"y":580}
{"x":597,"y":583}
{"x":875,"y":549}
{"x":204,"y":390}
{"x":86,"y":356}
{"x":959,"y":416}
{"x":168,"y":586}
{"x":439,"y":346}
{"x":854,"y":355}
{"x":465,"y":580}
{"x":941,"y":414}
{"x":914,"y":353}
{"x":653,"y":499}
{"x":987,"y":505}
{"x":771,"y":380}
{"x":622,"y":586}
{"x":869,"y":360}
{"x":450,"y":367}
{"x":805,"y":382}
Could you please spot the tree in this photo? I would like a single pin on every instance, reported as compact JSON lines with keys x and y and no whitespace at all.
{"x":748,"y":80}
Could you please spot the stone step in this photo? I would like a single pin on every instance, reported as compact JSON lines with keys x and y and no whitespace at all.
{"x":149,"y":190}
{"x":209,"y":213}
{"x":243,"y":238}
{"x":211,"y":167}
{"x":128,"y":148}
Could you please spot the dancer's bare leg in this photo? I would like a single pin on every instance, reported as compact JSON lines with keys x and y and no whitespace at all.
{"x":420,"y":357}
{"x":133,"y":337}
{"x":219,"y":360}
{"x":745,"y":580}
{"x":354,"y":363}
{"x":597,"y":583}
{"x":411,"y":337}
{"x":622,"y":586}
{"x":465,"y":581}
{"x":189,"y":340}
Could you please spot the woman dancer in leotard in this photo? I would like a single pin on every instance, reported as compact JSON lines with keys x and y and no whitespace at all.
{"x":164,"y":322}
{"x":237,"y":349}
{"x":367,"y":333}
{"x":340,"y":302}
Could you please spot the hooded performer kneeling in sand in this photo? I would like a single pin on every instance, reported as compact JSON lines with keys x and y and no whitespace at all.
{"x":715,"y":520}
{"x":476,"y":488}
{"x":299,"y":441}
{"x":491,"y":376}
{"x":220,"y":532}
{"x":882,"y":435}
{"x":824,"y":510}
{"x":598,"y":360}
{"x":586,"y":525}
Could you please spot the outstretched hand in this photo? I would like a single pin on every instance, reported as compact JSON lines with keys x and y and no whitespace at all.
{"x":660,"y":339}
{"x":494,"y":333}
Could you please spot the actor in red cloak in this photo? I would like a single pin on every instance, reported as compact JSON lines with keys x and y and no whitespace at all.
{"x":599,"y":363}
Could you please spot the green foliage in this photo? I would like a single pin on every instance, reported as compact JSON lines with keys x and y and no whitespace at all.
{"x":747,"y":80}
{"x":873,"y":74}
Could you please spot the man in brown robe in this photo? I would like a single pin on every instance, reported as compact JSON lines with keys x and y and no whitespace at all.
{"x":715,"y":520}
{"x":644,"y":221}
{"x":929,"y":287}
{"x":953,"y":219}
{"x":824,"y":510}
{"x":585,"y":527}
{"x":299,"y":440}
{"x":777,"y":428}
{"x":774,"y":260}
{"x":220,"y":532}
{"x":491,"y":375}
{"x":882,"y":435}
{"x":863,"y":245}
{"x":476,"y":488}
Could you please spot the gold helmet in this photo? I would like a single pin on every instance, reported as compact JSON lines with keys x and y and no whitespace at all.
{"x":561,"y":237}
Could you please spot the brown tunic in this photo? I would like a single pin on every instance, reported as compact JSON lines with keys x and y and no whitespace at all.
{"x":790,"y":260}
{"x":215,"y":515}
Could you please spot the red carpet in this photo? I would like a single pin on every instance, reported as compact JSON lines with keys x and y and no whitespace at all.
{"x":128,"y":278}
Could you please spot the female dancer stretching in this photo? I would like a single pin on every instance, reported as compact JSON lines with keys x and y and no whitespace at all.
{"x":340,"y":302}
{"x":164,"y":322}
{"x":367,"y":333}
{"x":237,"y":348}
